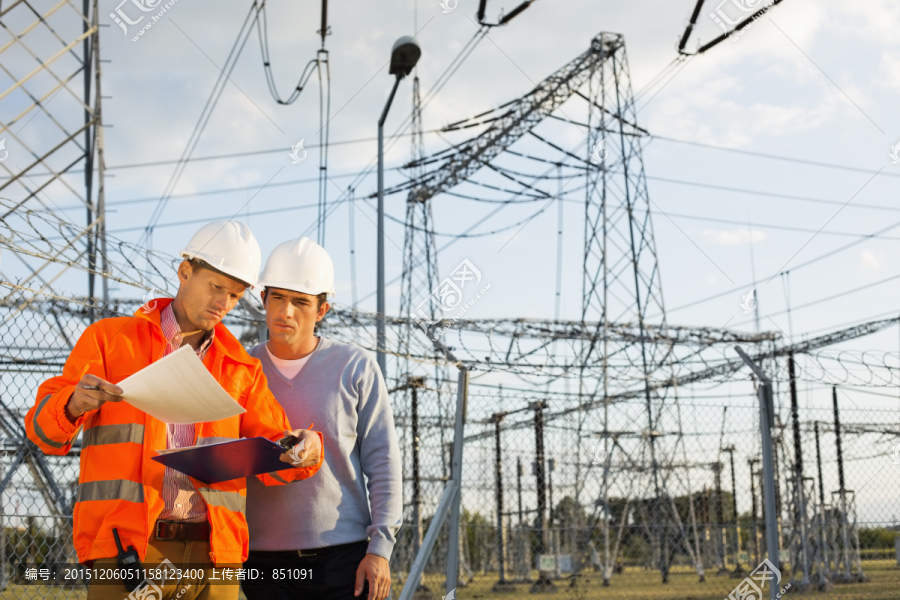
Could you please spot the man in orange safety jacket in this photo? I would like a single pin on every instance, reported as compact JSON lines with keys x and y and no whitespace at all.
{"x":168,"y":517}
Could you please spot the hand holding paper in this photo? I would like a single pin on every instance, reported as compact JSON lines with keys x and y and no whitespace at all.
{"x":90,"y":394}
{"x":179,"y":389}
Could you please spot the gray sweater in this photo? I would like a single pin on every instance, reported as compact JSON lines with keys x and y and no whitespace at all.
{"x":341,"y":390}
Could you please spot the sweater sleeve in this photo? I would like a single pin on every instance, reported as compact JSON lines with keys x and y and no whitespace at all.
{"x":379,"y":457}
{"x":46,"y":423}
{"x":265,"y":418}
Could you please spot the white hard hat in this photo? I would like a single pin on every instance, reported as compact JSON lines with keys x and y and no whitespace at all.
{"x":299,"y":265}
{"x":229,"y":247}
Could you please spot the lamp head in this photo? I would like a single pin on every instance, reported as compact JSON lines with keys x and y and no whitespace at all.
{"x":404,"y":56}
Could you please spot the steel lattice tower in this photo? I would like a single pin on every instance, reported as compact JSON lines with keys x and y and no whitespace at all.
{"x":419,"y":277}
{"x":61,"y":99}
{"x":51,"y":155}
{"x":423,"y":389}
{"x":621,"y":283}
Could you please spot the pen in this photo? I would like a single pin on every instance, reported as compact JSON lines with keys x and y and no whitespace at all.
{"x":94,"y":388}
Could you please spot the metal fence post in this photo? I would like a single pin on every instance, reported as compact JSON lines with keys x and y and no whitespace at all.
{"x":3,"y":546}
{"x":754,"y":520}
{"x":417,"y":478}
{"x":800,"y":509}
{"x":502,"y":583}
{"x":843,"y":491}
{"x":456,"y":474}
{"x":766,"y":422}
{"x":450,"y":501}
{"x":825,"y":571}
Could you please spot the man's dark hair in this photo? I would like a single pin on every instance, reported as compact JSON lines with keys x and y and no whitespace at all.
{"x":320,"y":298}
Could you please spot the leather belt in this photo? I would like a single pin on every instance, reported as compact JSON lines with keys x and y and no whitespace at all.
{"x":184,"y":532}
{"x":327,"y":549}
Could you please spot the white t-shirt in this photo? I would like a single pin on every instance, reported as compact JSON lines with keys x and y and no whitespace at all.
{"x":288,"y":368}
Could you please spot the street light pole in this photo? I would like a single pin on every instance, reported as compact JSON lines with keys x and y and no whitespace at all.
{"x":404,"y":55}
{"x":379,"y":319}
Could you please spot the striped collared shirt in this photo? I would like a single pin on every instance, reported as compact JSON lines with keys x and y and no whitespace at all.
{"x":182,"y":501}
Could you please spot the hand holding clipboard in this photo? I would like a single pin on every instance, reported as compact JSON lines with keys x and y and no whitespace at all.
{"x":225,"y":461}
{"x":303,"y":447}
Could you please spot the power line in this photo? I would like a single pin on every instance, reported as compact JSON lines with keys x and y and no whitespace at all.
{"x":399,"y":134}
{"x":529,"y":198}
{"x":207,"y":219}
{"x":781,"y":227}
{"x":842,"y":203}
{"x":324,"y":75}
{"x":282,"y":210}
{"x":795,"y":268}
{"x":773,"y":194}
{"x":216,"y":93}
{"x":231,"y":155}
{"x":862,"y":237}
{"x":846,"y":324}
{"x":228,"y":190}
{"x":491,"y":214}
{"x":442,"y":80}
{"x":813,"y":163}
{"x":262,"y":29}
{"x":828,"y":298}
{"x":715,"y":186}
{"x":747,"y":22}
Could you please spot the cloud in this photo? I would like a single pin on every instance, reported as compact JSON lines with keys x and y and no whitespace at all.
{"x":733,"y":237}
{"x":868,"y":261}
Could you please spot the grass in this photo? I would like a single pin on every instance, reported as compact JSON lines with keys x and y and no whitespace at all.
{"x":633,"y":584}
{"x":639,"y":584}
{"x":15,"y":591}
{"x":18,"y":592}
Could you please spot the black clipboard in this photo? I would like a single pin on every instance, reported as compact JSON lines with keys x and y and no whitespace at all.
{"x":227,"y":460}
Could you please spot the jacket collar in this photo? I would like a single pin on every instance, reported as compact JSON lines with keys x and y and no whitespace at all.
{"x":224,"y":342}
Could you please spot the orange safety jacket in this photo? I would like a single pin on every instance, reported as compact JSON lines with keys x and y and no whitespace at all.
{"x":119,"y":486}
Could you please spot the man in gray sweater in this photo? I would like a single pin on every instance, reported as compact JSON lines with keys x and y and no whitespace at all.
{"x":319,"y":538}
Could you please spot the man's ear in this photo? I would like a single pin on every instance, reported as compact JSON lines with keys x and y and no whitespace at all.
{"x":322,"y":311}
{"x":262,"y":295}
{"x":185,"y":269}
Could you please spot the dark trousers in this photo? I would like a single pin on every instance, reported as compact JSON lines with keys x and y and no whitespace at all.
{"x":284,"y":575}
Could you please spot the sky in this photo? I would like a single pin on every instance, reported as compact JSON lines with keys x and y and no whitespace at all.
{"x":787,"y":87}
{"x":814,"y":82}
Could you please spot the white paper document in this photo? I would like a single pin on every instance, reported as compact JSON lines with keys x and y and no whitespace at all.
{"x":178,"y":389}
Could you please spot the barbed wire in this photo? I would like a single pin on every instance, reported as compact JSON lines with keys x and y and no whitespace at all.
{"x":50,"y":239}
{"x":866,"y":368}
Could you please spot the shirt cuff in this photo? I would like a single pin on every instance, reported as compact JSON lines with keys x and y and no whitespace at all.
{"x":381,"y":547}
{"x":59,"y":409}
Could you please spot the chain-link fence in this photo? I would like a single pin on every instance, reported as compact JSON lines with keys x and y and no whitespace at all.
{"x":38,"y":491}
{"x":557,"y":493}
{"x":574,"y":501}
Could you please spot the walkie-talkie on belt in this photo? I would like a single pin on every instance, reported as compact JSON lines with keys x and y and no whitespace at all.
{"x":130,"y":564}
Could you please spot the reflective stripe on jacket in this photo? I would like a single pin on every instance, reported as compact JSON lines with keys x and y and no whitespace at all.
{"x":119,"y":486}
